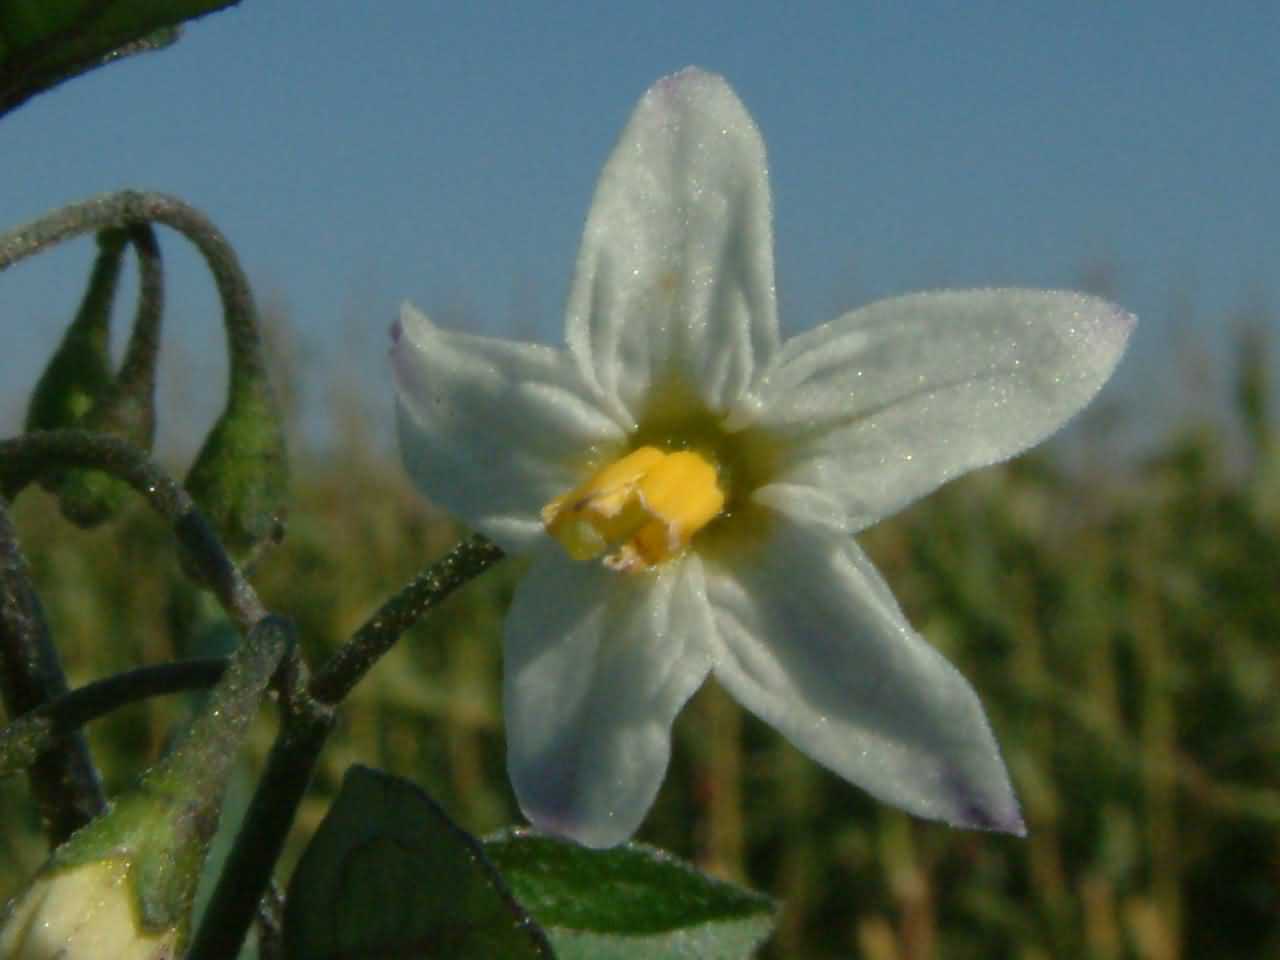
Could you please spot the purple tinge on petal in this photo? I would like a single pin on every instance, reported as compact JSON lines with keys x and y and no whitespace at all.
{"x":596,"y":667}
{"x":676,"y":84}
{"x":566,"y":798}
{"x":975,"y":814}
{"x":811,"y":640}
{"x":1095,"y":329}
{"x":1110,"y":331}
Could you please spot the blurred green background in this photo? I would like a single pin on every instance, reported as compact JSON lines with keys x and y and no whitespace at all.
{"x":1119,"y":618}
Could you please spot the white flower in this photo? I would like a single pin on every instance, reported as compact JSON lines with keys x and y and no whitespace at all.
{"x":87,"y":911}
{"x":688,"y":487}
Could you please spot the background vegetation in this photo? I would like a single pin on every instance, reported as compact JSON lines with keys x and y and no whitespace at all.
{"x":1119,"y":619}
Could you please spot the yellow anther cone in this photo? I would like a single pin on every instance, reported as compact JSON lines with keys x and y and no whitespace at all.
{"x":641,"y":509}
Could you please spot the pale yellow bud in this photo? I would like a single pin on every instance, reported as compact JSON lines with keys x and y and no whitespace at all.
{"x":84,"y":912}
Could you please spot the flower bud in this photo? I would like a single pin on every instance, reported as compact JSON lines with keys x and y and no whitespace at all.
{"x":80,"y":370}
{"x":126,"y":408}
{"x":240,"y":478}
{"x":84,"y":911}
{"x":123,"y":885}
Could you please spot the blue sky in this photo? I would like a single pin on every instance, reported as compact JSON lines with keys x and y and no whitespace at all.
{"x":360,"y":154}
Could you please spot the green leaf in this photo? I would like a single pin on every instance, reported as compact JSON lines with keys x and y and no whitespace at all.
{"x":630,"y":902}
{"x":43,"y":42}
{"x":389,"y":875}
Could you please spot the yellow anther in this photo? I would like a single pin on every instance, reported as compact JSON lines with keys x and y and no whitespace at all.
{"x":639,"y":511}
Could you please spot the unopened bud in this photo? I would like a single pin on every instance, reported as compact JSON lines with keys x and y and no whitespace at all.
{"x":79,"y":371}
{"x":123,"y":885}
{"x":126,"y":408}
{"x":240,"y":478}
{"x":82,"y":912}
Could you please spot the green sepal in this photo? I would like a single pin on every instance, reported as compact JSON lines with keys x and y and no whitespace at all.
{"x":163,"y":826}
{"x":127,"y":407}
{"x":89,"y":498}
{"x":240,"y":478}
{"x":163,"y":846}
{"x":79,"y":372}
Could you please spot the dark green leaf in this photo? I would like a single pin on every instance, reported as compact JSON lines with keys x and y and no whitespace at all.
{"x":43,"y":42}
{"x":630,"y":902}
{"x":389,"y":875}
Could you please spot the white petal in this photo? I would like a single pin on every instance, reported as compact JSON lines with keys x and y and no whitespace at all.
{"x":675,"y":275}
{"x":807,"y":504}
{"x":491,"y":430}
{"x":597,"y":665}
{"x":810,"y":639}
{"x":892,"y":400}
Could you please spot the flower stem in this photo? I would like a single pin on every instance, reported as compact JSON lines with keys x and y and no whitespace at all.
{"x":137,"y":369}
{"x":354,"y":659}
{"x":37,"y":730}
{"x":246,"y":873}
{"x":218,"y":730}
{"x":63,"y":778}
{"x":125,"y":207}
{"x":309,"y":715}
{"x":25,"y":458}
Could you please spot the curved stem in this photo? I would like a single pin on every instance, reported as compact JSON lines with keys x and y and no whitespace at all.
{"x":64,"y":780}
{"x":198,"y":764}
{"x":137,"y":370}
{"x":126,"y":207}
{"x":309,"y":715}
{"x":39,"y":729}
{"x":24,"y":458}
{"x":379,"y":633}
{"x":246,"y":873}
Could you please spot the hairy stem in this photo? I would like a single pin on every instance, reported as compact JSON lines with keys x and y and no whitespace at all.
{"x":308,"y":717}
{"x":63,"y":778}
{"x":126,"y":207}
{"x":25,"y":458}
{"x":354,"y":659}
{"x":246,"y":873}
{"x":39,"y":729}
{"x":137,"y":370}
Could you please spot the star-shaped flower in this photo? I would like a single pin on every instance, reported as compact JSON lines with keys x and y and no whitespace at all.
{"x":688,"y":487}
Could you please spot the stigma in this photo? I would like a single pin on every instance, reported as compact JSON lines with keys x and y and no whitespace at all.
{"x":638,"y":511}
